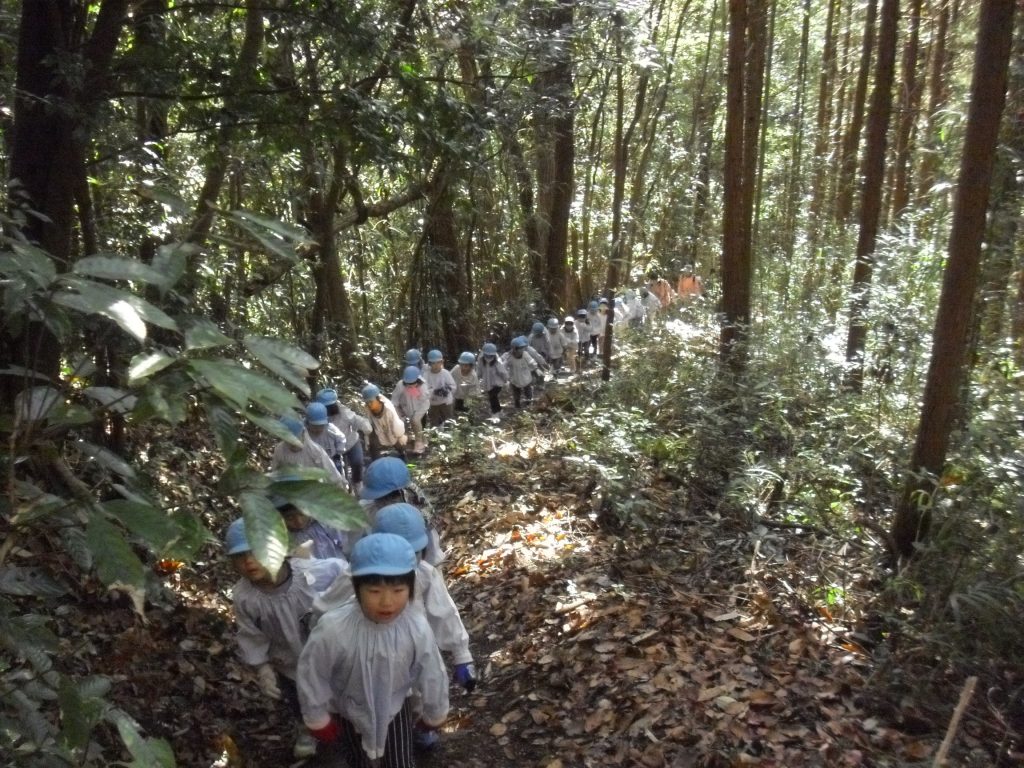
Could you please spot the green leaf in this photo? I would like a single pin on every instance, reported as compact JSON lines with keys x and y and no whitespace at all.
{"x":286,"y":231}
{"x":204,"y":334}
{"x":76,"y":546}
{"x":106,"y":458}
{"x":117,"y":566}
{"x":165,"y":197}
{"x":79,"y":714}
{"x":171,"y":261}
{"x":288,"y":362}
{"x":117,"y":268}
{"x":29,"y":262}
{"x":111,"y":398}
{"x":101,"y":295}
{"x":145,"y":364}
{"x":224,"y":424}
{"x":149,"y":523}
{"x":121,"y":312}
{"x":324,"y":501}
{"x":37,"y":403}
{"x":265,"y":529}
{"x":237,"y":384}
{"x":273,"y":426}
{"x":146,"y":753}
{"x":27,"y":581}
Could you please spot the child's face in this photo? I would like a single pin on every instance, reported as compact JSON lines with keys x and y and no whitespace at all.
{"x":315,"y":429}
{"x":383,"y":603}
{"x":465,"y":368}
{"x":517,"y":352}
{"x":295,"y":520}
{"x":436,"y":366}
{"x":248,"y":567}
{"x":375,"y":407}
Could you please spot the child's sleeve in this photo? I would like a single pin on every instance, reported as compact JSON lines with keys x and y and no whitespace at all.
{"x":339,"y":592}
{"x":443,"y":618}
{"x":313,"y":677}
{"x":431,"y":679}
{"x":253,"y":645}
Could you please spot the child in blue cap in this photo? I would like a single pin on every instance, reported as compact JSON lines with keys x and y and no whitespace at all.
{"x":493,"y":375}
{"x":521,"y":370}
{"x":304,"y":453}
{"x":269,"y":613}
{"x":441,"y":387}
{"x":322,"y":432}
{"x":388,"y":429}
{"x":352,"y":427}
{"x":412,"y":401}
{"x":364,"y":658}
{"x":467,"y":382}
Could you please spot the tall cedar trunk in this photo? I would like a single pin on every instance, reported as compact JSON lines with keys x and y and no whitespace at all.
{"x":753,"y":92}
{"x":947,"y":370}
{"x":50,"y":130}
{"x":821,"y":133}
{"x":851,"y":139}
{"x":444,"y":277}
{"x":1004,"y":212}
{"x":620,"y":159}
{"x":794,"y":182}
{"x":736,"y":230}
{"x":910,"y":100}
{"x":871,"y":201}
{"x":554,"y":121}
{"x":595,"y":148}
{"x":938,"y":95}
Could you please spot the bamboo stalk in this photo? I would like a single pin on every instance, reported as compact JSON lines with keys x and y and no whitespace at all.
{"x":954,"y":722}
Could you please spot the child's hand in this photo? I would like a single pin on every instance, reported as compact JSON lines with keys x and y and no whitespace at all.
{"x":465,"y":675}
{"x":327,"y":734}
{"x":267,"y":679}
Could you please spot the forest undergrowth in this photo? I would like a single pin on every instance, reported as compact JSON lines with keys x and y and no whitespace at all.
{"x":660,"y":570}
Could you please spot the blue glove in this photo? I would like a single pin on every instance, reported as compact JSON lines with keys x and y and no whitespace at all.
{"x":465,"y":675}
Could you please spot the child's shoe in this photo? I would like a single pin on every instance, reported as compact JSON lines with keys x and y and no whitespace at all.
{"x":425,"y":741}
{"x":419,"y":447}
{"x":305,"y":745}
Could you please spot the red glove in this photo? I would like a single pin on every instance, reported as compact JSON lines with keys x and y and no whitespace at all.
{"x":329,"y":733}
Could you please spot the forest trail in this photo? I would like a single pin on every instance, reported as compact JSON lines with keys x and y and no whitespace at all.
{"x":668,"y":634}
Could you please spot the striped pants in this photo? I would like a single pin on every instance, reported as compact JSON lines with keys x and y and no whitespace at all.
{"x":397,"y":749}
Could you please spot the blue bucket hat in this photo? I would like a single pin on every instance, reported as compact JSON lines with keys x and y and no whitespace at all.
{"x":382,"y":554}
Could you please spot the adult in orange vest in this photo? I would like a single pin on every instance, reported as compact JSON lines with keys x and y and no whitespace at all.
{"x":690,"y":286}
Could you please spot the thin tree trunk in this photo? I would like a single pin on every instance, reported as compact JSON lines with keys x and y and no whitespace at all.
{"x":947,"y":370}
{"x":851,"y":140}
{"x":794,"y":186}
{"x":910,"y":99}
{"x":938,"y":96}
{"x":871,"y":201}
{"x":824,"y":120}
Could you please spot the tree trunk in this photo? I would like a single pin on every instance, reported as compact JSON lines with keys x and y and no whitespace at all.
{"x":910,"y":100}
{"x":736,"y":229}
{"x":947,"y":370}
{"x":824,"y":120}
{"x":794,"y":183}
{"x":851,"y":140}
{"x":871,"y":201}
{"x":938,"y":96}
{"x":50,"y":129}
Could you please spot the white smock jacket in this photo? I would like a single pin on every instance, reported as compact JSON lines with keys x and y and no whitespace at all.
{"x":350,"y":424}
{"x":365,"y":671}
{"x":520,"y":369}
{"x":440,"y":385}
{"x":431,"y":599}
{"x":466,"y":386}
{"x":310,"y":455}
{"x":270,"y":619}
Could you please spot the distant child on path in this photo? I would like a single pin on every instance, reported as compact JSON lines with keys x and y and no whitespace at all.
{"x":493,"y":375}
{"x":325,"y":434}
{"x":583,"y":330}
{"x":352,"y":426}
{"x":571,"y":343}
{"x":363,"y":659}
{"x":521,"y":369}
{"x":441,"y":387}
{"x":388,"y":428}
{"x":269,"y":612}
{"x":556,"y":344}
{"x":306,"y":454}
{"x":467,"y":382}
{"x":412,"y":401}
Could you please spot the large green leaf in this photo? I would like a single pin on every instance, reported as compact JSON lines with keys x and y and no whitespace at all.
{"x":28,"y":262}
{"x":286,"y":231}
{"x":324,"y":501}
{"x":126,"y":309}
{"x":236,"y":384}
{"x":117,"y":268}
{"x":106,"y":458}
{"x":171,"y":261}
{"x":111,"y":398}
{"x":273,"y":426}
{"x":149,"y":523}
{"x":165,"y":197}
{"x":201,"y":333}
{"x":288,"y":362}
{"x":224,"y":424}
{"x":265,"y":529}
{"x":116,"y":563}
{"x":27,"y":581}
{"x":146,"y":753}
{"x":79,"y":714}
{"x":145,"y":364}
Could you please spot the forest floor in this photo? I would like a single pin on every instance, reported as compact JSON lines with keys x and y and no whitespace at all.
{"x":680,"y":637}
